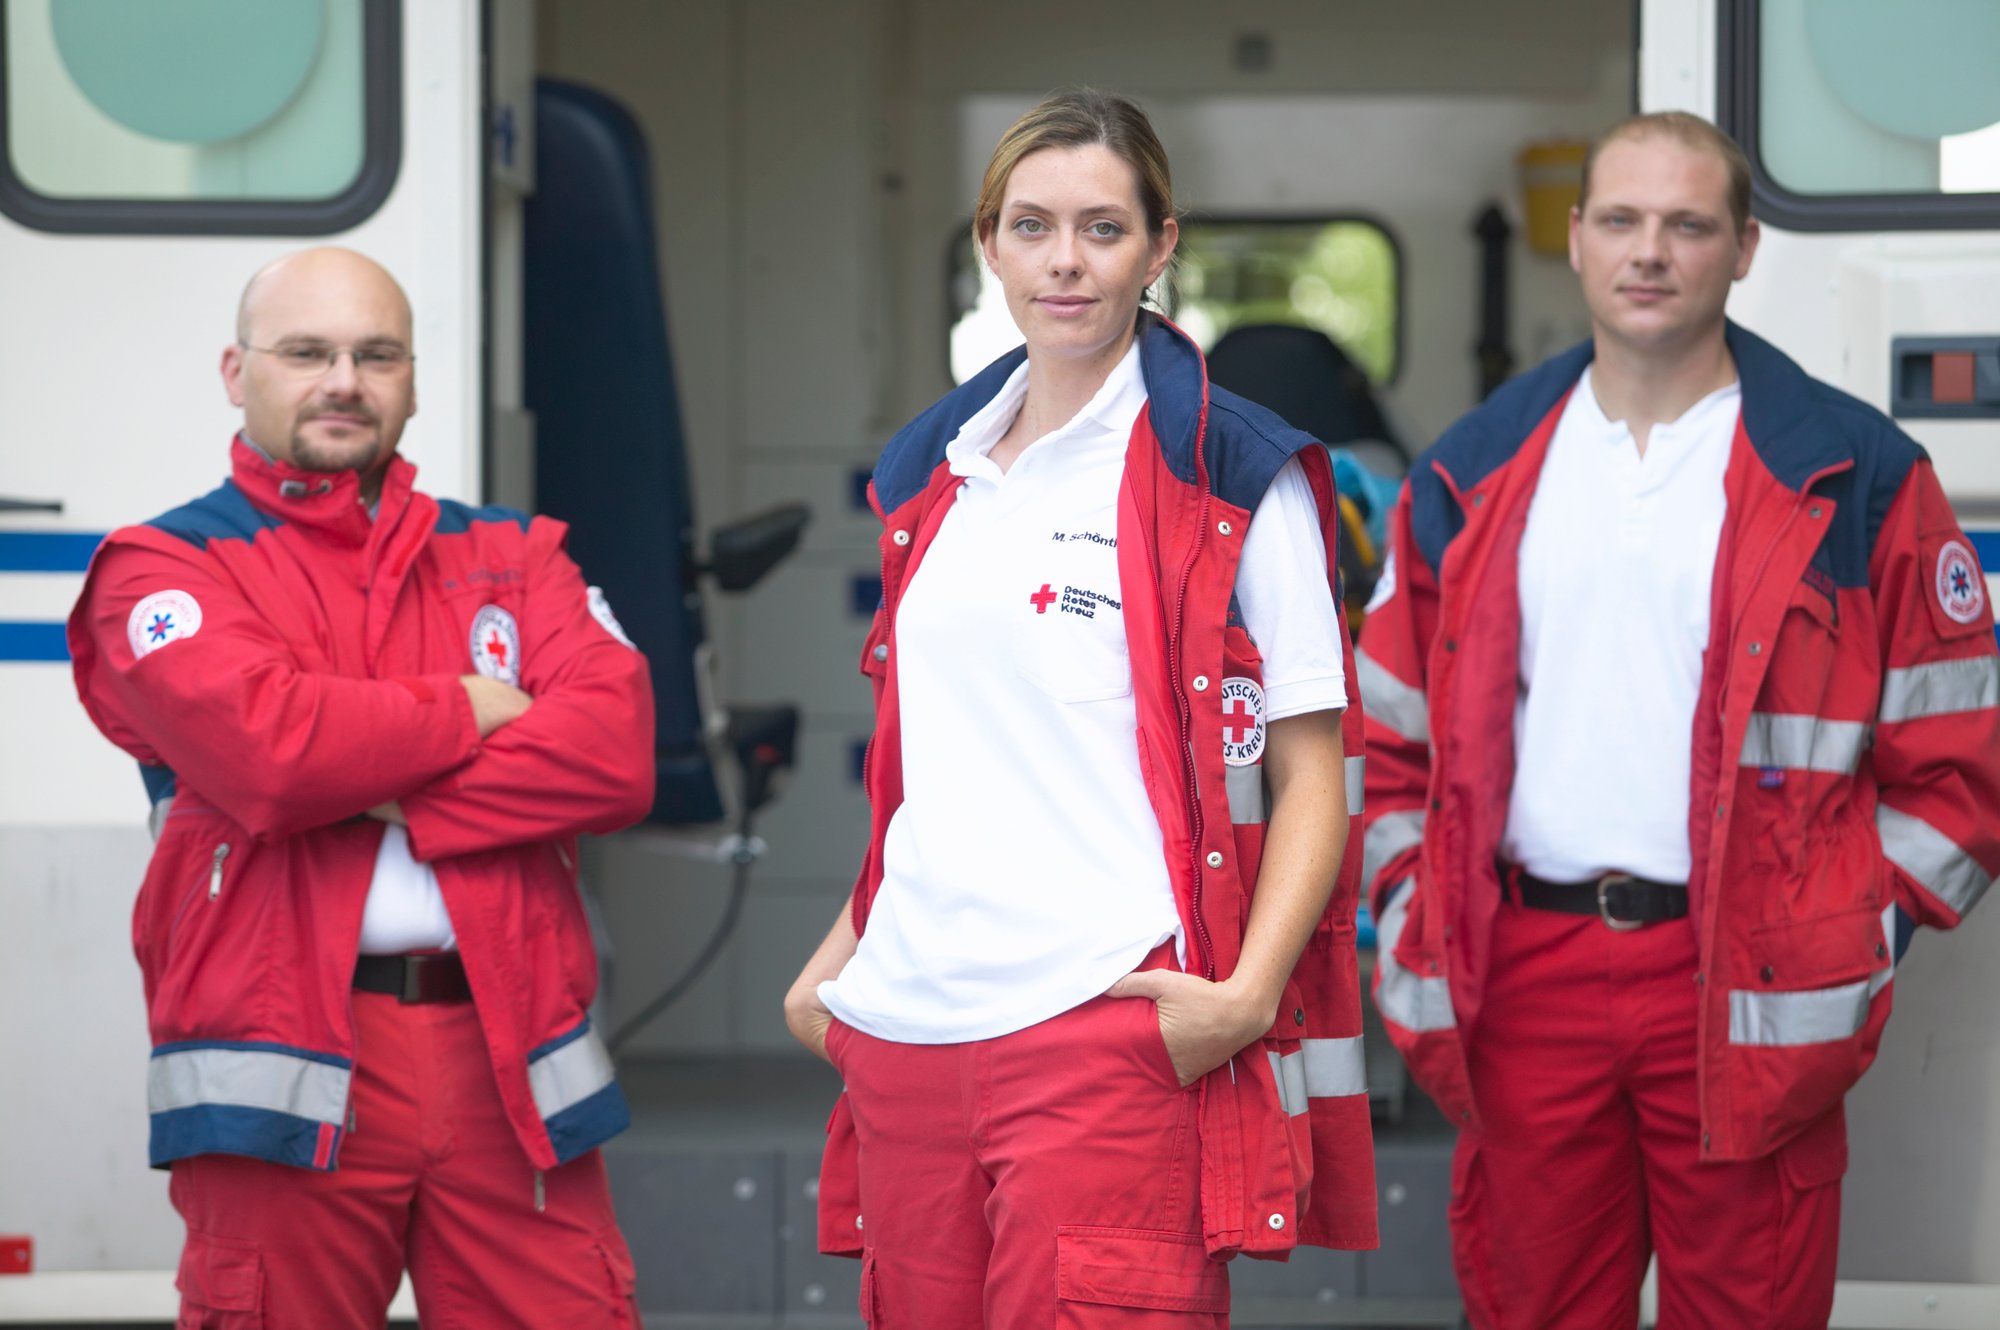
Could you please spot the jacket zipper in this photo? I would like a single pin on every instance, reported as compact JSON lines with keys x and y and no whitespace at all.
{"x":215,"y":874}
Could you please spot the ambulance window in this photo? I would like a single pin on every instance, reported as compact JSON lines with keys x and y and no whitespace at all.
{"x":1342,"y":276}
{"x":270,"y":117}
{"x":1866,"y":116}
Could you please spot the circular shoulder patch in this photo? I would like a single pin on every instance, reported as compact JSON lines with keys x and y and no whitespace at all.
{"x":163,"y":617}
{"x":1242,"y":721}
{"x":600,"y":610}
{"x":496,"y":644}
{"x":1961,"y":588}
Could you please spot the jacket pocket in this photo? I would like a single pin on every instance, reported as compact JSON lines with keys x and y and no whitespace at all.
{"x":1137,"y":1268}
{"x":1821,"y":952}
{"x":221,"y":1284}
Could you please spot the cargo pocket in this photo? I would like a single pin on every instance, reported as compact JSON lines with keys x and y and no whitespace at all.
{"x":623,"y":1276}
{"x":221,"y":1284}
{"x":1136,"y":1270}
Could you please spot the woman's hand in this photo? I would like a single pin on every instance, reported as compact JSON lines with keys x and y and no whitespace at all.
{"x":805,"y":1015}
{"x":1203,"y":1024}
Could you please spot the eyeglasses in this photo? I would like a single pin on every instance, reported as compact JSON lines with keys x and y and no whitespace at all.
{"x":318,"y":357}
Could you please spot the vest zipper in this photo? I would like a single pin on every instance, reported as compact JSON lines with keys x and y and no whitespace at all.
{"x":1187,"y":745}
{"x":215,"y":874}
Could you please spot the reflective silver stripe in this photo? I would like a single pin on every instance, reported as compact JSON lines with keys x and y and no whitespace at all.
{"x":1416,"y":1003}
{"x":570,"y":1074}
{"x":1804,"y":743}
{"x":1289,"y":1072}
{"x":1932,"y":858}
{"x":1393,"y":702}
{"x":1246,"y":792}
{"x":1335,"y":1068}
{"x":1941,"y":689}
{"x":247,"y":1078}
{"x":1803,"y":1016}
{"x":1357,"y":769}
{"x":1388,"y":836}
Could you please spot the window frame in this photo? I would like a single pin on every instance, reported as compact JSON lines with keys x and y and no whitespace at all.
{"x":1399,"y":301}
{"x":381,"y":163}
{"x":1738,"y":30}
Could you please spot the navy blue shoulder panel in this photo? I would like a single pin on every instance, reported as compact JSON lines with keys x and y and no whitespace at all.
{"x":907,"y":462}
{"x":1175,"y":377}
{"x":1801,"y":427}
{"x":455,"y":517}
{"x":1480,"y":442}
{"x":1247,"y":445}
{"x":224,"y":513}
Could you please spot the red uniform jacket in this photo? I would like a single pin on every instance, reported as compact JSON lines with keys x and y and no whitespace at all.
{"x":279,"y":664}
{"x":1846,"y":744}
{"x":1286,"y":1150}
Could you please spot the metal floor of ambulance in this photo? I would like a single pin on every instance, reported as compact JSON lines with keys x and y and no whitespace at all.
{"x":716,"y":1186}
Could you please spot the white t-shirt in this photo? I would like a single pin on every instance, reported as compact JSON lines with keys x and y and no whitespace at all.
{"x":405,"y":910}
{"x":1024,"y":873}
{"x":1615,"y":567}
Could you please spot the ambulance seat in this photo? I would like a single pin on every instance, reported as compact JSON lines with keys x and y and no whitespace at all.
{"x":610,"y":457}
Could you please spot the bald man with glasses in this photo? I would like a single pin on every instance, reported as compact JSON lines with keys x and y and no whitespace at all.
{"x":373,"y":724}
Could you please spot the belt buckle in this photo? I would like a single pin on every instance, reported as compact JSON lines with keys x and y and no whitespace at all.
{"x":1611,"y":921}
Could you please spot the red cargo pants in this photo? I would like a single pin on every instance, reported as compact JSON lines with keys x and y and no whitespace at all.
{"x":430,"y":1175}
{"x":1046,"y":1178}
{"x":1587,"y":1161}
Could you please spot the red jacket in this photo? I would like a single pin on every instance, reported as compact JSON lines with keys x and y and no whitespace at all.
{"x":1846,"y":772}
{"x":1285,"y":1144}
{"x":279,"y":664}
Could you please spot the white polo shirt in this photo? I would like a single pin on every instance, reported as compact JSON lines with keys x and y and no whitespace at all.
{"x":1615,"y":568}
{"x":1023,"y":873}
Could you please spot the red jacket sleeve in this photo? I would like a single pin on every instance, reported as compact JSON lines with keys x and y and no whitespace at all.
{"x":1390,"y":663}
{"x":1937,"y":730}
{"x":580,"y":759}
{"x":219,"y":697}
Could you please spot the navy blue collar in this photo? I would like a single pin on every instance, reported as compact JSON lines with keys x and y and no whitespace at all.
{"x":1175,"y":386}
{"x":1789,"y":416}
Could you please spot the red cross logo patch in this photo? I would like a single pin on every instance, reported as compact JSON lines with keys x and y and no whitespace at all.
{"x":496,"y":645}
{"x":1242,"y":722}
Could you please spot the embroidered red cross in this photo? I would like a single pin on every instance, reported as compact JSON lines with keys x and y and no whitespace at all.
{"x":1042,"y":599}
{"x":497,"y":648}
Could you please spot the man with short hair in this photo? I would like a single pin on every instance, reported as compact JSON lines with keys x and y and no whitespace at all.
{"x":373,"y":724}
{"x":1698,"y":717}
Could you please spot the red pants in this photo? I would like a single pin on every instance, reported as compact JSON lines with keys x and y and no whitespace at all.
{"x":1046,"y":1178}
{"x":1587,"y":1158}
{"x":430,"y":1175}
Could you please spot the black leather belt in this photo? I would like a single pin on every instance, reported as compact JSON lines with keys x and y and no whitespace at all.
{"x":1622,"y":901}
{"x":437,"y":977}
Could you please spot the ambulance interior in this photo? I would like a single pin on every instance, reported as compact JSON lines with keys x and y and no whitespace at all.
{"x":778,"y":273}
